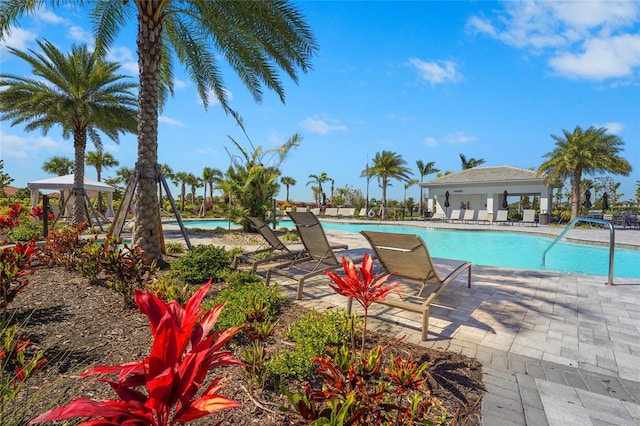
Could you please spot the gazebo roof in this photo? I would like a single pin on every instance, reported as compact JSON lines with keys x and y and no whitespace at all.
{"x":487,"y":175}
{"x":66,"y":182}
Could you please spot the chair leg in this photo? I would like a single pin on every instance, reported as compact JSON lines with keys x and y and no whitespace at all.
{"x":268,"y":277}
{"x":425,"y":324}
{"x":300,"y":288}
{"x":469,"y":277}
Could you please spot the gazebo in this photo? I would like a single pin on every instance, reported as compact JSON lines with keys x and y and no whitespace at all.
{"x":64,"y":184}
{"x":486,"y":188}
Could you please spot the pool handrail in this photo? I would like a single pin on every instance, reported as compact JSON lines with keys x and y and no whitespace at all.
{"x":612,"y":239}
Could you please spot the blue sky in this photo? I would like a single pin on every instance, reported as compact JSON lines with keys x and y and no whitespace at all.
{"x":428,"y":80}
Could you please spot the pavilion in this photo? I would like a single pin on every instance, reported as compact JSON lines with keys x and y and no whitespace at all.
{"x":486,"y":188}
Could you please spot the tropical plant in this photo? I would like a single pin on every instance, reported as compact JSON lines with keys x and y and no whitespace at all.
{"x":251,"y":179}
{"x":584,"y":152}
{"x":5,"y":179}
{"x":203,"y":262}
{"x":424,"y":169}
{"x":407,"y":185}
{"x":255,"y":38}
{"x":287,"y":181}
{"x":122,"y":177}
{"x":388,"y":165}
{"x":84,"y":94}
{"x":58,"y":166}
{"x":182,"y":179}
{"x":100,"y":160}
{"x":316,"y":182}
{"x":185,"y":350}
{"x":471,"y":162}
{"x":210,"y":177}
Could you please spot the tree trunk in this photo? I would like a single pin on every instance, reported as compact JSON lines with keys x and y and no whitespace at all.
{"x":575,"y":189}
{"x":383,"y":212}
{"x":79,"y":145}
{"x":147,"y":209}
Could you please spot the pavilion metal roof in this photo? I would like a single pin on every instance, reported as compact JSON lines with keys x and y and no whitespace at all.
{"x":487,"y":175}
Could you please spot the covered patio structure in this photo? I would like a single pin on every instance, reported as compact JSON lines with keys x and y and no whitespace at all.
{"x":486,"y":188}
{"x":64,"y":184}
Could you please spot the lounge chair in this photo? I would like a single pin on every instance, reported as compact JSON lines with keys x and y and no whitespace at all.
{"x":483,"y":216}
{"x":454,"y":216}
{"x":529,"y":217}
{"x":407,"y":257}
{"x":277,"y":250}
{"x":347,"y":212}
{"x":320,"y":255}
{"x":331,"y":212}
{"x":502,"y":217}
{"x":469,"y":216}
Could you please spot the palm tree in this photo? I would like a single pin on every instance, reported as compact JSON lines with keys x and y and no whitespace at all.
{"x":471,"y":162}
{"x":210,"y":177}
{"x":100,"y":159}
{"x":407,"y":185}
{"x":388,"y":165}
{"x":83,"y":94}
{"x":181,"y":178}
{"x":316,"y":182}
{"x":59,"y":166}
{"x":584,"y":152}
{"x":194,"y":182}
{"x":366,"y":173}
{"x":255,"y":38}
{"x":288,"y":181}
{"x":425,"y":169}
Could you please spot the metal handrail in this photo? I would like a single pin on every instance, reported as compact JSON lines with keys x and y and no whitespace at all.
{"x":612,"y":240}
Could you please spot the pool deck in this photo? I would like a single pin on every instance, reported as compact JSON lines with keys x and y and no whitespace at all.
{"x":557,"y":349}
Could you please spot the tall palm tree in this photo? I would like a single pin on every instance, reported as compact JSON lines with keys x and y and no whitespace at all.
{"x":288,"y":181}
{"x":210,"y":177}
{"x":388,"y":165}
{"x":83,"y":94}
{"x":316,"y":182}
{"x":584,"y":152}
{"x":194,"y":183}
{"x":256,"y":39}
{"x":471,"y":162}
{"x":100,"y":159}
{"x":182,"y":179}
{"x":58,"y":166}
{"x":407,"y":184}
{"x":425,"y":169}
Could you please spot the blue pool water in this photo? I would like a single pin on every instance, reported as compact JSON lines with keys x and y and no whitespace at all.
{"x":500,"y":249}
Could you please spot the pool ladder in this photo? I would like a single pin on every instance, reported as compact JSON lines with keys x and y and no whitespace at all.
{"x":612,"y":240}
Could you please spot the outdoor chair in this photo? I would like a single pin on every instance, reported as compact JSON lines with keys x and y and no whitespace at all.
{"x":502,"y":217}
{"x":320,"y":255}
{"x":331,"y":212}
{"x":454,"y":216}
{"x":483,"y":216}
{"x":422,"y":277}
{"x":469,"y":216}
{"x":529,"y":217}
{"x":276,"y":250}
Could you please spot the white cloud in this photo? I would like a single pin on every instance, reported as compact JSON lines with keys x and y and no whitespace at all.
{"x":46,"y":15}
{"x":613,"y":127}
{"x":20,"y":147}
{"x":125,"y":57}
{"x":181,"y":84}
{"x":458,"y":138}
{"x":592,"y":40}
{"x":17,"y":38}
{"x":170,"y":121}
{"x":77,"y":33}
{"x":213,"y":99}
{"x":430,"y":141}
{"x":322,"y":124}
{"x":601,"y":59}
{"x":436,"y":72}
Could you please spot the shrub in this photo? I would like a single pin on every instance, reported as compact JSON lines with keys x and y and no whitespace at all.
{"x":202,"y":263}
{"x":163,"y":388}
{"x":62,"y":246}
{"x":89,"y":264}
{"x":312,"y":334}
{"x":290,"y":236}
{"x":242,"y":287}
{"x":169,"y":288}
{"x":174,"y":247}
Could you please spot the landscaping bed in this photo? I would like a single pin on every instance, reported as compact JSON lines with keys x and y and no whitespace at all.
{"x":79,"y":324}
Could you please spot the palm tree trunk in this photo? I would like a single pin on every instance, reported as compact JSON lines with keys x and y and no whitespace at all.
{"x":575,"y":198}
{"x":383,"y":213}
{"x":79,"y":144}
{"x":146,"y":220}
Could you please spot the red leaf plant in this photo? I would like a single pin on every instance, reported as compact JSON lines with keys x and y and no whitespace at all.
{"x":365,"y":287}
{"x":38,"y":213}
{"x":182,"y":354}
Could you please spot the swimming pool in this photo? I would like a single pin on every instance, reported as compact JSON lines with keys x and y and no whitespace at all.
{"x":501,"y":249}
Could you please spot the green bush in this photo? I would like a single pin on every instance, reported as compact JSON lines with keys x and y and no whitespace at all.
{"x":174,"y":247}
{"x":26,"y":231}
{"x":201,"y":263}
{"x":312,"y":334}
{"x":243,"y":286}
{"x":290,"y":236}
{"x":88,"y":263}
{"x":170,"y":288}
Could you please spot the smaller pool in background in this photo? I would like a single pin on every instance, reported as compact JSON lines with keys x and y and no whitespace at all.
{"x":500,"y":249}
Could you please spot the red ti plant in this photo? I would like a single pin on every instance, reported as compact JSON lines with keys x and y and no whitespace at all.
{"x":182,"y":354}
{"x":38,"y":213}
{"x":365,"y":287}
